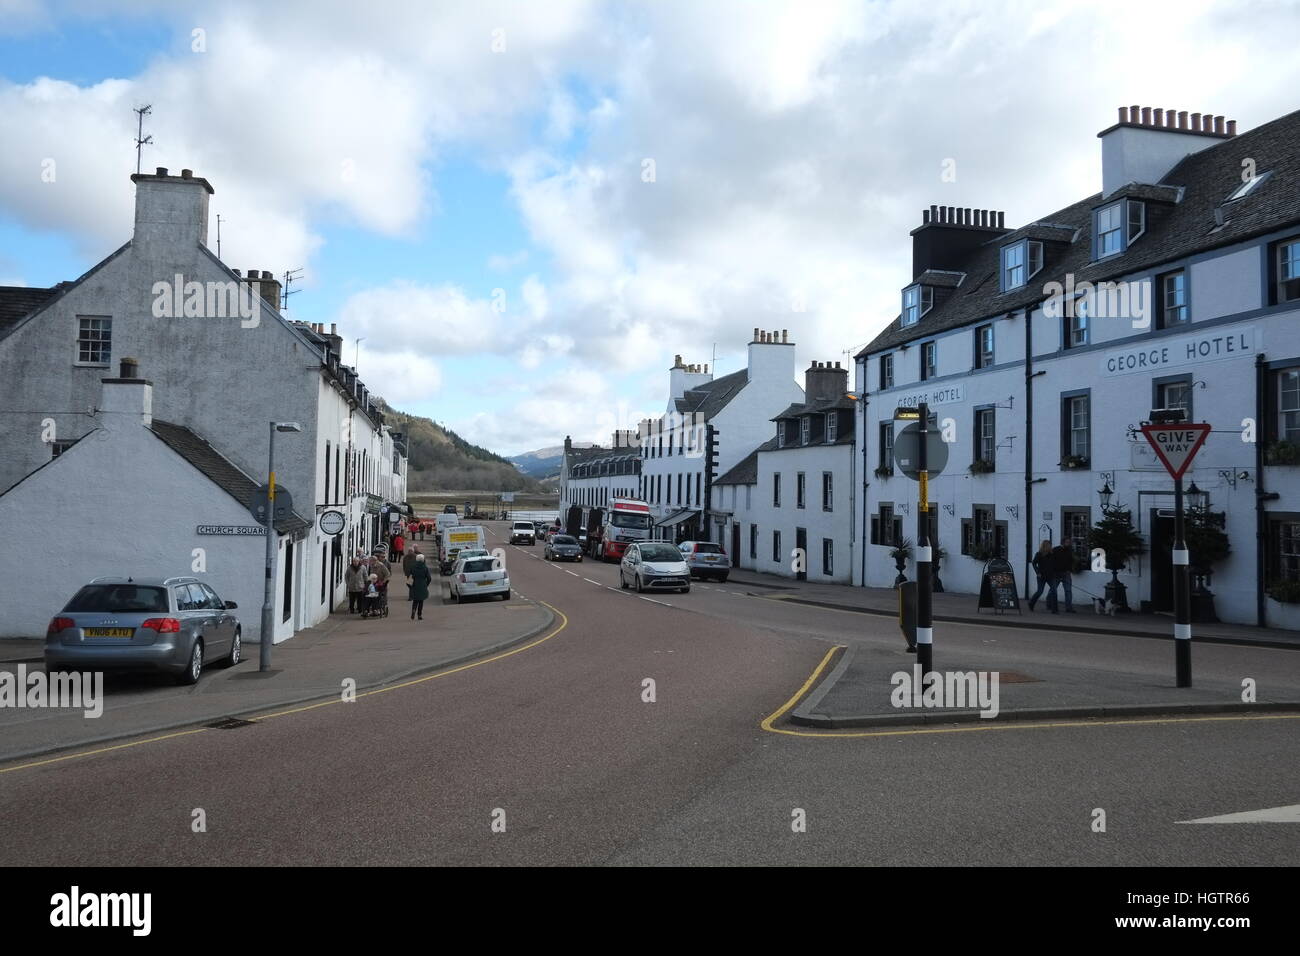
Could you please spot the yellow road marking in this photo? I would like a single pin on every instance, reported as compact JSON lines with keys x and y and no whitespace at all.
{"x":768,"y":722}
{"x":103,"y":750}
{"x":297,"y":710}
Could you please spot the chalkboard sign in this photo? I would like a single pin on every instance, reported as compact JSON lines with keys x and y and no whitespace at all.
{"x":998,"y":587}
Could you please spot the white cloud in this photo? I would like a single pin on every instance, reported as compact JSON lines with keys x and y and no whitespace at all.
{"x":408,"y":316}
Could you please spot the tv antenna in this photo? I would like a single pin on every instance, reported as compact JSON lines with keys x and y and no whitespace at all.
{"x":289,"y":276}
{"x":141,"y":141}
{"x":218,"y":235}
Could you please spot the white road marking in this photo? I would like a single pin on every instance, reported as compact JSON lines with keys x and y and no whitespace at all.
{"x":1289,"y":814}
{"x":597,"y":583}
{"x":567,"y":571}
{"x":653,"y":601}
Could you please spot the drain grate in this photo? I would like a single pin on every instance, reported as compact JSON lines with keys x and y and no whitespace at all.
{"x":230,"y":723}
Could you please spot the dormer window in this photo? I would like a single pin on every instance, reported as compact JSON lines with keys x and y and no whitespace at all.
{"x":780,"y":434}
{"x":1116,"y":226}
{"x":917,"y":300}
{"x":805,"y":430}
{"x":1021,"y":261}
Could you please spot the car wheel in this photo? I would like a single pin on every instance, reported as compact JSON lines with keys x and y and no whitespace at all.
{"x":640,"y":586}
{"x":506,"y":596}
{"x":236,"y":651}
{"x":194,"y":671}
{"x":722,"y":580}
{"x":687,"y":589}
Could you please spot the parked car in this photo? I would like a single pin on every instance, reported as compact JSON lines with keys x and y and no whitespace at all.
{"x":523,"y":532}
{"x":562,"y":547}
{"x":654,"y":565}
{"x":449,"y":509}
{"x":705,"y":559}
{"x":479,"y":576}
{"x":174,"y":625}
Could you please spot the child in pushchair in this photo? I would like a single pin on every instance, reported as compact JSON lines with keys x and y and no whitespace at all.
{"x":376,"y":598}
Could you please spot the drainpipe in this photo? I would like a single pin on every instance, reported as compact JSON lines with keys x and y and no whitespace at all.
{"x":1029,"y":443}
{"x":1261,"y":515}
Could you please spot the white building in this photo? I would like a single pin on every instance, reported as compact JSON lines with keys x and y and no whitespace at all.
{"x":1038,"y":373}
{"x":224,"y":363}
{"x":737,"y":409}
{"x":789,"y":505}
{"x":185,"y":510}
{"x":590,"y":477}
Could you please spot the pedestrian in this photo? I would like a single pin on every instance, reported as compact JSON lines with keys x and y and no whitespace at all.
{"x":419,"y":581}
{"x":379,"y":567}
{"x":1061,"y":564}
{"x":371,"y":607}
{"x":1040,"y":563}
{"x":408,"y":565}
{"x":399,"y":545}
{"x":356,"y":582}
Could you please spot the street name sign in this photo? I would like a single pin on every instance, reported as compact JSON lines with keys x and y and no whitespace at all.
{"x":1176,"y":445}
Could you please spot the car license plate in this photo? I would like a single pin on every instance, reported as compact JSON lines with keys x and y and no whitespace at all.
{"x":484,"y":584}
{"x":108,"y":632}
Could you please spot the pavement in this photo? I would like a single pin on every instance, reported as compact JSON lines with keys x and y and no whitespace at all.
{"x":961,"y":608}
{"x":312,"y":665}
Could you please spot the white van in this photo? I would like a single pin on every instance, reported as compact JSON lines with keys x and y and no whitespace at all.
{"x":455,"y":539}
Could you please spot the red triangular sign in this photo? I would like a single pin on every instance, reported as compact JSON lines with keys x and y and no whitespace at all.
{"x":1176,"y":445}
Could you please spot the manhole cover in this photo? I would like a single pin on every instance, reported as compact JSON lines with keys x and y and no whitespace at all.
{"x":1015,"y":677}
{"x":230,"y":723}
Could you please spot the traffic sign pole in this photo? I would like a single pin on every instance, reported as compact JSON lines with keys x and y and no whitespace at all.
{"x":1182,"y":595}
{"x":268,"y":584}
{"x":924,"y":582}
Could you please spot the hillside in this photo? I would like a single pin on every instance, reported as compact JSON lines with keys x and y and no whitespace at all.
{"x":441,"y":460}
{"x":543,"y":462}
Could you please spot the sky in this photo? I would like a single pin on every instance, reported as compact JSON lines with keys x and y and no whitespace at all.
{"x":518,"y":213}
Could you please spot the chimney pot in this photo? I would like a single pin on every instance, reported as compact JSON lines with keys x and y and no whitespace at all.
{"x":784,"y":339}
{"x":1123,"y":114}
{"x":334,"y":328}
{"x":236,"y":272}
{"x":1232,"y":127}
{"x":925,"y":216}
{"x":1218,"y":124}
{"x":1196,"y":122}
{"x":934,"y":213}
{"x":161,"y":170}
{"x":1001,"y":218}
{"x":1146,"y":116}
{"x":1182,"y":119}
{"x":266,"y":275}
{"x":756,"y":333}
{"x":952,"y":214}
{"x":1159,"y":117}
{"x":129,"y":368}
{"x":187,"y":174}
{"x":1134,"y":112}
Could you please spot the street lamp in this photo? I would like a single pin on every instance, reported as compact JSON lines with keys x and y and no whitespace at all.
{"x":1105,"y":494}
{"x":268,"y":596}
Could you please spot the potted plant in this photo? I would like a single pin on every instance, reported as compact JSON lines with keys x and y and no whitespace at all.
{"x":1115,"y":536}
{"x":1074,"y":463}
{"x":900,"y":553}
{"x":1286,"y":611}
{"x":1207,"y":545}
{"x":1282,"y":453}
{"x":981,"y":466}
{"x":884,"y":471}
{"x":1284,"y":592}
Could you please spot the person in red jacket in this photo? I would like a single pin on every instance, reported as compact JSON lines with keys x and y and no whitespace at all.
{"x":399,"y":546}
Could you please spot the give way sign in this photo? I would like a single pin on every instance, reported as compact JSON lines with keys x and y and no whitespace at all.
{"x":1176,"y":445}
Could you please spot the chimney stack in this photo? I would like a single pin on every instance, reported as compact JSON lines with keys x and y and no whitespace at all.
{"x":948,"y":235}
{"x":1146,"y":143}
{"x":822,"y":383}
{"x":170,"y":210}
{"x":126,"y":401}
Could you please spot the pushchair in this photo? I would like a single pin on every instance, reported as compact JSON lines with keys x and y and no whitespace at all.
{"x":376,"y":604}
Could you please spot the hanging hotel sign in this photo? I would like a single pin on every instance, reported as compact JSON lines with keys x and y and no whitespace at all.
{"x":1184,"y":350}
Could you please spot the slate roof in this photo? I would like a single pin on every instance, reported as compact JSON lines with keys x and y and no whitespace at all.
{"x":743,"y":473}
{"x":1175,"y":231}
{"x":844,"y":403}
{"x":17,"y":302}
{"x":219,"y":469}
{"x":712,"y":397}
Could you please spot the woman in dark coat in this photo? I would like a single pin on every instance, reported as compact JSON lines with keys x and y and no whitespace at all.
{"x":421,"y":576}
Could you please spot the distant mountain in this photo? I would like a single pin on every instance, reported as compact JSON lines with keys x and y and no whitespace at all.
{"x":543,"y":462}
{"x":440,"y":460}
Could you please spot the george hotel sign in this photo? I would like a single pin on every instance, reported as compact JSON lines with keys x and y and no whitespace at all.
{"x":942,"y":395}
{"x":1174,"y":353}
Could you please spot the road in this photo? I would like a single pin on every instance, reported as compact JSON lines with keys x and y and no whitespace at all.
{"x":556,"y":745}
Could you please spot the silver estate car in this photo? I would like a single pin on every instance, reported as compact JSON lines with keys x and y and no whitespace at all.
{"x":654,"y":565}
{"x":175,"y":625}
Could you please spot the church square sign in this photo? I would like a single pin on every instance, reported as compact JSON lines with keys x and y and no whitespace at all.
{"x":1184,"y":350}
